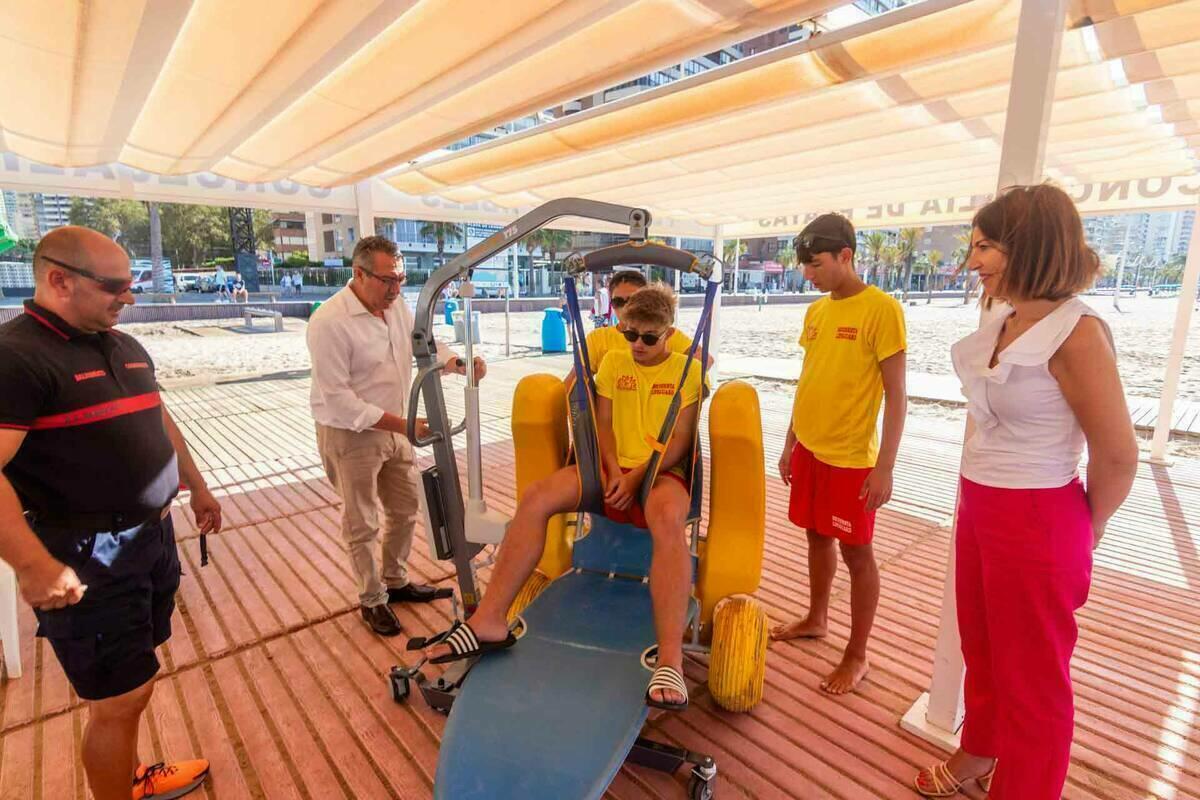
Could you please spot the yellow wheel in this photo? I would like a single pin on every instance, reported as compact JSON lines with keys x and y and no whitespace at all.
{"x":532,"y":588}
{"x":738,"y":664}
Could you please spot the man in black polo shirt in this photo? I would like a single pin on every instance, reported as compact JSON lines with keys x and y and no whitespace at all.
{"x":91,"y":461}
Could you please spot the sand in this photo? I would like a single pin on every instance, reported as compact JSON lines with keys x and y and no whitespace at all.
{"x":217,"y":350}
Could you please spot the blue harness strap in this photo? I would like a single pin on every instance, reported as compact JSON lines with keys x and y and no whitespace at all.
{"x":701,"y":341}
{"x":581,"y":405}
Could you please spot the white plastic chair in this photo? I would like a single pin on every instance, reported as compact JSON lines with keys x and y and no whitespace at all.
{"x":9,"y":634}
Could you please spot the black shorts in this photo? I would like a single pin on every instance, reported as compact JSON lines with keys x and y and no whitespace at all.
{"x":106,"y":641}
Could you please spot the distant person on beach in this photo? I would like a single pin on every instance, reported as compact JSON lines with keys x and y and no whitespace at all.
{"x":221,"y":281}
{"x":240,"y":295}
{"x":603,"y":311}
{"x":285,"y":284}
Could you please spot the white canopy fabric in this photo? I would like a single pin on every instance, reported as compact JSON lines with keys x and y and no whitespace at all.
{"x":325,"y":92}
{"x":908,"y":107}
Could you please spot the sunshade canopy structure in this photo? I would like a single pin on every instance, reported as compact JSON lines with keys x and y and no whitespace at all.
{"x":896,"y":120}
{"x":325,"y":92}
{"x":879,"y":120}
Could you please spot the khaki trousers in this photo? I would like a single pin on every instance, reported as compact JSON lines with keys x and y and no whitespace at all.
{"x":370,"y":469}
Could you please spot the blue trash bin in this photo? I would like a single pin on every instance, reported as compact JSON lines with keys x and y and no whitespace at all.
{"x":554,"y":332}
{"x":448,"y":309}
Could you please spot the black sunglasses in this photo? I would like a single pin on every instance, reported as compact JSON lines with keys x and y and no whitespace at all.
{"x":393,"y":282}
{"x":619,"y":302}
{"x":649,"y":339}
{"x":112,"y":286}
{"x":819,"y":244}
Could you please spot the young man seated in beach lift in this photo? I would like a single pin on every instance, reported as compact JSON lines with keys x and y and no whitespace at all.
{"x":635,"y":388}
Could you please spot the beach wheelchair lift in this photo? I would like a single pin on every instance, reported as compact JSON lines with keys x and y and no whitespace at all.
{"x":558,"y":714}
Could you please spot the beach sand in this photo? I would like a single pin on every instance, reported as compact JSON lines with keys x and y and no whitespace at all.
{"x":215,"y":350}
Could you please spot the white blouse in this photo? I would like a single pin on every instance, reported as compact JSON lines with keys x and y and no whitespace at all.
{"x":1026,"y":436}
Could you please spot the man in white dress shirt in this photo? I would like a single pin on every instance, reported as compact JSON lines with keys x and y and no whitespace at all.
{"x":360,"y":342}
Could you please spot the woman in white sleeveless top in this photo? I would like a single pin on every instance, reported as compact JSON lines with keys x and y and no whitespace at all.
{"x":1040,"y":380}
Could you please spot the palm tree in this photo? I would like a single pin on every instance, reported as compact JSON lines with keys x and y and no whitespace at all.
{"x":157,"y":273}
{"x":442,"y":232}
{"x":733,"y":255}
{"x":533,"y":241}
{"x":889,"y":258}
{"x":1139,"y":262}
{"x":906,"y":244}
{"x":935,"y":261}
{"x":555,"y":242}
{"x":786,"y":258}
{"x":876,"y":241}
{"x":963,"y":238}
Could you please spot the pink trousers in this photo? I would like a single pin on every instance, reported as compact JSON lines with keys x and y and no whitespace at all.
{"x":1024,"y":565}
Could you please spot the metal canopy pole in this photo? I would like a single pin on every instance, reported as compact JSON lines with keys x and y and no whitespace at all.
{"x":365,"y":202}
{"x":714,"y":335}
{"x":1183,"y":318}
{"x":937,"y":715}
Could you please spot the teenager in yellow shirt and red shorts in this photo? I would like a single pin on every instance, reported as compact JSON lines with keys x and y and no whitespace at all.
{"x":635,"y":385}
{"x":601,"y":341}
{"x":840,"y":474}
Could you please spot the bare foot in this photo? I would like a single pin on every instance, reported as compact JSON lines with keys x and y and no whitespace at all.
{"x":800,"y":629}
{"x":485,"y":631}
{"x":846,"y":676}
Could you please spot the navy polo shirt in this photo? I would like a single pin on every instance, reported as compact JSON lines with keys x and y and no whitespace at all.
{"x":96,"y":442}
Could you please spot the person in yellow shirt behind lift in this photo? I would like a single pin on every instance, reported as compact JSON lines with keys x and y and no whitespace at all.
{"x":635,"y":387}
{"x":854,"y":343}
{"x":621,"y":286}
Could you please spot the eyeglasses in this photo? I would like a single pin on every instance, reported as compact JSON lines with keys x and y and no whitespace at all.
{"x":394,"y":282}
{"x":113,"y":286}
{"x":649,"y":339}
{"x":619,"y":302}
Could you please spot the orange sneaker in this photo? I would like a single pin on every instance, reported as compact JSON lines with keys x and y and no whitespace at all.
{"x":168,"y":781}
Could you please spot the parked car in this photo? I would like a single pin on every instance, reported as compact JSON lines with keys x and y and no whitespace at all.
{"x":143,"y":281}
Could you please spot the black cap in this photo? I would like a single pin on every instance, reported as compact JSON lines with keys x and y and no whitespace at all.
{"x":828,"y":233}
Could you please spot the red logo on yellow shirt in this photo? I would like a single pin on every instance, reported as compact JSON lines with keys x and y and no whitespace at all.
{"x":663,"y":388}
{"x":810,"y":332}
{"x":627,"y":383}
{"x":847,"y":333}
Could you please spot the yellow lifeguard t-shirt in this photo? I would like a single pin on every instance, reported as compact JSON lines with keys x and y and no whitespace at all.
{"x":641,"y":397}
{"x":602,"y":340}
{"x":841,"y":387}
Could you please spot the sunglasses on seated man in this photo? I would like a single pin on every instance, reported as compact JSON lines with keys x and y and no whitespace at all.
{"x":649,"y":339}
{"x":113,"y":286}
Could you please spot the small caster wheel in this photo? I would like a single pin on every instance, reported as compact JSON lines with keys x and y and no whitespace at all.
{"x":400,"y":685}
{"x":703,"y":783}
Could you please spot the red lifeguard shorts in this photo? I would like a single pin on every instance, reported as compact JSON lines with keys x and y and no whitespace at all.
{"x":826,"y":499}
{"x":635,"y":515}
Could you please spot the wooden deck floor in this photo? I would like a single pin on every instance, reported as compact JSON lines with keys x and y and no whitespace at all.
{"x":272,"y":676}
